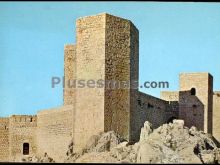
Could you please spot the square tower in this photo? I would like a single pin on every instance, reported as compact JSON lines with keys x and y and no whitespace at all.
{"x":106,"y":50}
{"x":216,"y":115}
{"x":196,"y":100}
{"x":69,"y":74}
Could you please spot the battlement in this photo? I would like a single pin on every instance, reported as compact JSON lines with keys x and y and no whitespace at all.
{"x":4,"y":123}
{"x":216,"y":93}
{"x":23,"y":118}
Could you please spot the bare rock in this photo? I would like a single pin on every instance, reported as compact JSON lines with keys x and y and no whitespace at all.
{"x":207,"y":157}
{"x":47,"y":159}
{"x":170,"y":143}
{"x":145,"y":131}
{"x":174,"y":143}
{"x":92,"y":143}
{"x":107,"y":141}
{"x":178,"y":123}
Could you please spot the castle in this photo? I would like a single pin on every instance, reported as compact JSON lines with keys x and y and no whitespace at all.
{"x":107,"y":48}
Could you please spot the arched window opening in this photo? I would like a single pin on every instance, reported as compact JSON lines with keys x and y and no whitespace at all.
{"x":26,"y":149}
{"x":150,"y":105}
{"x":193,"y":91}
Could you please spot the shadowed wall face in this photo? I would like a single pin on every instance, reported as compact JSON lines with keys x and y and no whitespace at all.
{"x":216,"y":115}
{"x":202,"y":83}
{"x":154,"y":110}
{"x":121,"y":64}
{"x":191,"y":109}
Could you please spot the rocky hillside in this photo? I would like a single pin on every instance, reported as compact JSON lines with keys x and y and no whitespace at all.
{"x":170,"y":143}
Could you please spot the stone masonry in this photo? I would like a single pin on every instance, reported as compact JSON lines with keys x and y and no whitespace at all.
{"x":199,"y":107}
{"x":216,"y":115}
{"x":106,"y":49}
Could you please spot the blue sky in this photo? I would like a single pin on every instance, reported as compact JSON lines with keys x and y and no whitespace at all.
{"x":174,"y":38}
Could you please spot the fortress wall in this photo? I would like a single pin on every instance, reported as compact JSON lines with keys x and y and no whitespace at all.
{"x":154,"y":110}
{"x":216,"y":115}
{"x":4,"y":139}
{"x":173,"y":106}
{"x":203,"y":84}
{"x":54,"y":131}
{"x":22,"y":129}
{"x":169,"y":95}
{"x":69,"y":74}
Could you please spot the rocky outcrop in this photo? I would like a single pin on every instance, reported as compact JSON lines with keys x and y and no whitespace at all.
{"x":104,"y":142}
{"x":146,"y":131}
{"x":170,"y":143}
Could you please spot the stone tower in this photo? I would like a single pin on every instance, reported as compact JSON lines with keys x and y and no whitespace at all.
{"x":106,"y":50}
{"x":216,"y":115}
{"x":69,"y":74}
{"x":196,"y":100}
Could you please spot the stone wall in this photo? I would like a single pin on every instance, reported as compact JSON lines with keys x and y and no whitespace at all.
{"x":216,"y":115}
{"x":22,"y":129}
{"x":54,"y":132}
{"x":154,"y":110}
{"x":169,"y":95}
{"x":210,"y":105}
{"x":191,"y":110}
{"x":121,"y":65}
{"x":69,"y":74}
{"x":4,"y":139}
{"x":203,"y":84}
{"x":107,"y":49}
{"x":90,"y":65}
{"x":134,"y":80}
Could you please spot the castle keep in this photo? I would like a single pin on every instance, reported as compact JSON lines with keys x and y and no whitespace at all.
{"x":107,"y":48}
